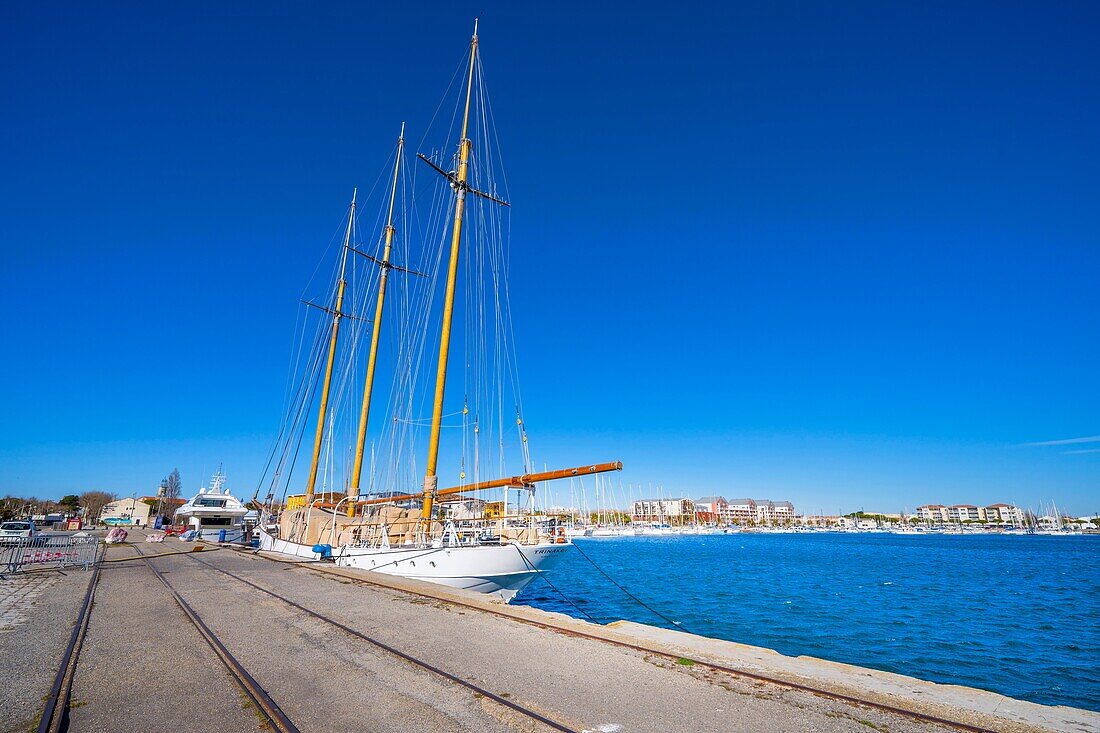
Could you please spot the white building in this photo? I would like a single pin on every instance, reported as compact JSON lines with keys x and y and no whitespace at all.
{"x":662,"y":510}
{"x":1005,"y":514}
{"x":932,"y":513}
{"x":782,"y":511}
{"x":747,"y":511}
{"x":460,"y":508}
{"x":132,"y":511}
{"x":741,"y":511}
{"x":958,"y":513}
{"x":773,"y":512}
{"x":965,"y":513}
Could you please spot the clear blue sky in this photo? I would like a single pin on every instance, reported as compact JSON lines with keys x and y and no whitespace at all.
{"x":846,"y":254}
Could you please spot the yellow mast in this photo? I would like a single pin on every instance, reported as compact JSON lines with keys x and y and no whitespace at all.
{"x":337,"y":313}
{"x":431,"y":480}
{"x":357,"y":471}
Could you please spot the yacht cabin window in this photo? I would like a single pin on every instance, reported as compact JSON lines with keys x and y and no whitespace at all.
{"x":210,"y":502}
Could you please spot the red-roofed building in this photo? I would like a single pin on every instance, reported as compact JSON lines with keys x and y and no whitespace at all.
{"x":1005,"y":514}
{"x":965,"y":513}
{"x":932,"y":513}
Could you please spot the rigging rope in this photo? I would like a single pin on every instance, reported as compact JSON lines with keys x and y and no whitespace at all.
{"x":483,"y":318}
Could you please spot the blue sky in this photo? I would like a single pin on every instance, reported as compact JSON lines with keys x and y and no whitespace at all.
{"x":845,"y":255}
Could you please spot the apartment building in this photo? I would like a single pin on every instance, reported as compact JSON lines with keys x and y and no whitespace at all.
{"x":932,"y":513}
{"x":747,"y":511}
{"x":741,"y":511}
{"x":712,"y":505}
{"x":965,"y":513}
{"x":780,"y":512}
{"x":675,"y":511}
{"x":958,"y":513}
{"x":1006,"y":514}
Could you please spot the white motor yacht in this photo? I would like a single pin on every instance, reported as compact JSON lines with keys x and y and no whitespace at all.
{"x":214,"y":513}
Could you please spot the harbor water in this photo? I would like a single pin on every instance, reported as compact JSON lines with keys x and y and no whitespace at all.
{"x":1018,"y":615}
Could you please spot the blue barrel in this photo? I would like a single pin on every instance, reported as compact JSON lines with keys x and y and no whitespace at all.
{"x":221,"y":535}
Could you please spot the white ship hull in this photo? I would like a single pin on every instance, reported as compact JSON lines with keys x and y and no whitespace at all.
{"x":499,"y":570}
{"x":271,"y":543}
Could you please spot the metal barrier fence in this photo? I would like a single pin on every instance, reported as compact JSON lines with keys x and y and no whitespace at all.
{"x":48,"y":552}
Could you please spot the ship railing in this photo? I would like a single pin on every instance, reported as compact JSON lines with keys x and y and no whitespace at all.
{"x":448,"y":533}
{"x":377,"y":536}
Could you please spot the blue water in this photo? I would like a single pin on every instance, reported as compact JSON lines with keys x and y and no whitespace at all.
{"x":1016,"y":615}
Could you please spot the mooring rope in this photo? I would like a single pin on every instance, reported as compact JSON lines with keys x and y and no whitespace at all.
{"x":633,"y":597}
{"x":542,"y":575}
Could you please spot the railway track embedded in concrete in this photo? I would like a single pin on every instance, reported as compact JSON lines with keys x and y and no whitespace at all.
{"x":415,"y":661}
{"x":55,"y":714}
{"x":838,"y":696}
{"x":275,"y":717}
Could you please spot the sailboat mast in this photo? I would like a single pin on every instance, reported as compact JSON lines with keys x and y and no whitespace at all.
{"x":337,"y":313}
{"x":431,"y":480}
{"x":357,"y":471}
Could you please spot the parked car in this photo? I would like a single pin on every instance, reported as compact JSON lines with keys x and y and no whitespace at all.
{"x":19,"y":530}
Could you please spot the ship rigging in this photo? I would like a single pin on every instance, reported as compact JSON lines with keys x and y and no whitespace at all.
{"x":384,"y":525}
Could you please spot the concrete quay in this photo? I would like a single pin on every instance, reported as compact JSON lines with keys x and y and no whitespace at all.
{"x":37,"y":613}
{"x":143,"y":666}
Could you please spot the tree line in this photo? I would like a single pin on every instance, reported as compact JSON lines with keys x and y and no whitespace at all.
{"x":91,"y":503}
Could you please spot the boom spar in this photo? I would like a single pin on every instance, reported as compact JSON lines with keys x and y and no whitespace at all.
{"x":523,"y":481}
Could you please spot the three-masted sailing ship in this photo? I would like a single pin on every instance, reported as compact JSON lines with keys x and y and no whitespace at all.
{"x":484,"y":546}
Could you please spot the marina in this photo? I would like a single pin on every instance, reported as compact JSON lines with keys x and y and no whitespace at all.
{"x":586,"y":675}
{"x":588,"y":370}
{"x":1011,"y":614}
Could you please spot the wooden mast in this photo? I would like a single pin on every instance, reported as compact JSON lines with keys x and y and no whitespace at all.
{"x":357,"y":471}
{"x":431,"y":479}
{"x":337,"y":314}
